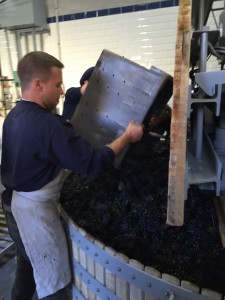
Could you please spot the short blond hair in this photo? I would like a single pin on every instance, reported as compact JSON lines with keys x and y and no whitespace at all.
{"x":36,"y":64}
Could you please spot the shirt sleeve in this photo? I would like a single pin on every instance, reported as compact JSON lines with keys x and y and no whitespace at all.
{"x":72,"y":152}
{"x":72,"y":98}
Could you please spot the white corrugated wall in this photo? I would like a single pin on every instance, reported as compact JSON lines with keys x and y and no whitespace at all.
{"x":147,"y":37}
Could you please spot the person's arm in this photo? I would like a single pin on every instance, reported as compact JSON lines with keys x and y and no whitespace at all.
{"x":83,"y":87}
{"x":132,"y":134}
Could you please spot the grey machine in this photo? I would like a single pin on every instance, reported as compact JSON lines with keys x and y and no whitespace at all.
{"x":206,"y":104}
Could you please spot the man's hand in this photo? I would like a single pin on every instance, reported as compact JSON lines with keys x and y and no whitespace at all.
{"x":83,"y":87}
{"x":132,"y":134}
{"x":134,"y":131}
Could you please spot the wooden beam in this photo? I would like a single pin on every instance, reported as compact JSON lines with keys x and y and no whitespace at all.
{"x":177,"y":163}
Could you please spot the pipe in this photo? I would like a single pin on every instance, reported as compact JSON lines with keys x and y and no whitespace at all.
{"x":26,"y":42}
{"x":57,"y":28}
{"x":8,"y":51}
{"x":34,"y":39}
{"x":18,"y":45}
{"x":203,"y":62}
{"x":41,"y":41}
{"x":201,"y":14}
{"x":200,"y":107}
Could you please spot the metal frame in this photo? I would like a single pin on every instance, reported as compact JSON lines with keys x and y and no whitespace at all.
{"x":205,"y":162}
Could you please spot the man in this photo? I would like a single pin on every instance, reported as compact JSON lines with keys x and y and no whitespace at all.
{"x":73,"y":95}
{"x":37,"y":146}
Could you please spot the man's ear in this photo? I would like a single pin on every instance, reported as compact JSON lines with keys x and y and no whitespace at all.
{"x":37,"y":83}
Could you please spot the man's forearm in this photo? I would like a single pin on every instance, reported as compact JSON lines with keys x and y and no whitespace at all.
{"x":132,"y":134}
{"x":119,"y":144}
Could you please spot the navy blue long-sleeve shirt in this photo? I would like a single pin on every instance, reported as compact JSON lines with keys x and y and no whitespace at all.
{"x":72,"y":98}
{"x":38,"y":144}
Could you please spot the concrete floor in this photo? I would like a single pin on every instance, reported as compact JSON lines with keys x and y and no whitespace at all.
{"x":7,"y":274}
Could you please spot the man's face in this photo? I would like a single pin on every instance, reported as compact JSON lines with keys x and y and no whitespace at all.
{"x":52,"y":89}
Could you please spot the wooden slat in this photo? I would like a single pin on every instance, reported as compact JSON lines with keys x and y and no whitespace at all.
{"x":190,"y":286}
{"x":76,"y":278}
{"x":110,"y":278}
{"x":171,"y":279}
{"x":99,"y":269}
{"x":155,"y":273}
{"x":91,"y":268}
{"x":83,"y":263}
{"x":122,"y":286}
{"x":136,"y":293}
{"x":211,"y":294}
{"x":177,"y":163}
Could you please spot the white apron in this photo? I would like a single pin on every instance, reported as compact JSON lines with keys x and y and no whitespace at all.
{"x":41,"y":231}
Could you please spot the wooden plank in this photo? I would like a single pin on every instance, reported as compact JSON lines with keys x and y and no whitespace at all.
{"x":211,"y":294}
{"x":190,"y":286}
{"x":177,"y":163}
{"x":122,"y":287}
{"x":110,"y":278}
{"x":83,"y":263}
{"x":171,"y":279}
{"x":91,"y":268}
{"x":99,"y":269}
{"x":76,"y":279}
{"x":155,"y":273}
{"x":136,"y":293}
